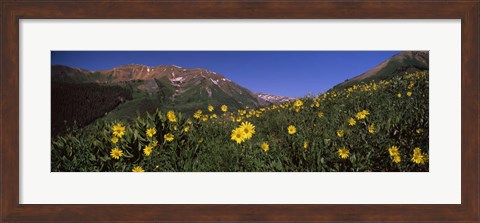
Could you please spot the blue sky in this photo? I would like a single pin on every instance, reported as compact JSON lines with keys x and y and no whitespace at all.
{"x":286,"y":73}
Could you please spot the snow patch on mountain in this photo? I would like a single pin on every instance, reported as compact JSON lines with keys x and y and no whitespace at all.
{"x":275,"y":99}
{"x":178,"y":79}
{"x":214,"y":81}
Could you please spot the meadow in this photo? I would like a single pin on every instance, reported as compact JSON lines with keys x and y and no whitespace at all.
{"x":379,"y":126}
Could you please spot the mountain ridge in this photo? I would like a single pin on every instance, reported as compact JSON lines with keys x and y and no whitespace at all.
{"x":164,"y":86}
{"x":178,"y":77}
{"x":274,"y":99}
{"x":398,"y":64}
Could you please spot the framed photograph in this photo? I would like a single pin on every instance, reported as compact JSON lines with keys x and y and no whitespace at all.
{"x":239,"y":111}
{"x":187,"y":118}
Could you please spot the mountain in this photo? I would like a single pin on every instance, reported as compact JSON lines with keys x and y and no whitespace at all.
{"x":162,"y":87}
{"x":407,"y":61}
{"x":127,"y":91}
{"x":274,"y":99}
{"x":186,"y":85}
{"x":60,"y":73}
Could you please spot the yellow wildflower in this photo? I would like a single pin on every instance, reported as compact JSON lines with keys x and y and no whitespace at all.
{"x":298,"y":103}
{"x":151,"y":132}
{"x":210,"y":108}
{"x":138,"y":169}
{"x":362,"y":115}
{"x":224,"y":108}
{"x":291,"y":129}
{"x":371,"y":128}
{"x":320,"y":114}
{"x":393,"y":151}
{"x":171,"y":116}
{"x":116,"y":153}
{"x":352,"y":122}
{"x":340,"y":133}
{"x":417,"y":150}
{"x":248,"y":129}
{"x":204,"y":118}
{"x":305,"y":144}
{"x":118,"y":130}
{"x":418,"y":157}
{"x":410,"y":86}
{"x":238,"y":135}
{"x":148,"y":150}
{"x":114,"y":140}
{"x":409,"y":94}
{"x":343,"y":153}
{"x":197,"y":114}
{"x":242,"y":112}
{"x":397,"y":159}
{"x":168,"y":137}
{"x":265,"y":146}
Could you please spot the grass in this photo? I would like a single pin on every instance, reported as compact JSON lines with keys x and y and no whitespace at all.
{"x":388,"y":114}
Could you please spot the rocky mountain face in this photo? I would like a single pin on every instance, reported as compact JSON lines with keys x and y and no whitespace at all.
{"x":169,"y":86}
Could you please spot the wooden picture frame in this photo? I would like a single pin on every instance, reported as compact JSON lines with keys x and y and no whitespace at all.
{"x":12,"y":11}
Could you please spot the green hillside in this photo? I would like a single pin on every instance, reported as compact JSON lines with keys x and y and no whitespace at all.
{"x":162,"y":90}
{"x":163,"y":97}
{"x":377,"y":126}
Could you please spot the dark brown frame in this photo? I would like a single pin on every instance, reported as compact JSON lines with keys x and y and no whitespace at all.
{"x":13,"y":10}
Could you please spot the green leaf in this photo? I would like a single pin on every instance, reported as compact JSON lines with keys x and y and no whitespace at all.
{"x":69,"y":151}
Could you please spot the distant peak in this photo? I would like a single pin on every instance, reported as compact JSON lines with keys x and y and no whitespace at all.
{"x":275,"y":99}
